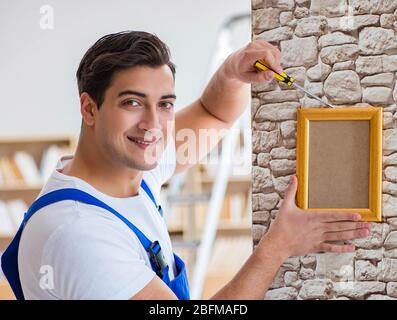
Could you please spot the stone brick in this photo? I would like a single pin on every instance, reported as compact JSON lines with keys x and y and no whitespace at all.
{"x":392,"y":223}
{"x":277,"y":112}
{"x":340,"y":53}
{"x":261,"y":180}
{"x":263,"y":160}
{"x":382,"y":79}
{"x":389,"y":206}
{"x":391,"y":240}
{"x":299,"y":52}
{"x":374,"y":255}
{"x":379,"y":297}
{"x":288,"y":129}
{"x":261,"y":217}
{"x":390,"y":160}
{"x":315,"y":87}
{"x":374,"y":40}
{"x":386,"y":20}
{"x":265,"y":19}
{"x":311,"y":26}
{"x":336,"y":267}
{"x":319,"y":72}
{"x":392,"y":254}
{"x":315,"y":289}
{"x":306,"y":273}
{"x":373,"y":6}
{"x":391,"y":289}
{"x":345,"y":65}
{"x":389,"y":63}
{"x":286,"y":17}
{"x":263,"y":141}
{"x":261,"y":202}
{"x":369,"y":65}
{"x":280,"y":96}
{"x":301,"y":12}
{"x":264,"y":126}
{"x":377,"y":95}
{"x":357,"y":290}
{"x":365,"y":270}
{"x":309,"y":261}
{"x":282,"y":167}
{"x":388,"y":121}
{"x":351,"y":24}
{"x":287,"y":293}
{"x":275,"y":35}
{"x":291,"y":279}
{"x":289,"y":143}
{"x":283,"y":153}
{"x":391,"y":174}
{"x":335,"y":38}
{"x":291,"y":264}
{"x":387,"y":270}
{"x":329,"y":8}
{"x":390,"y":141}
{"x":343,"y":87}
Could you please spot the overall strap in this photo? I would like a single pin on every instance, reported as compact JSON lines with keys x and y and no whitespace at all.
{"x":150,"y":194}
{"x":81,"y":196}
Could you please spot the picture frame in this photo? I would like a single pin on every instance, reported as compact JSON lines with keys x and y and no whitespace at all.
{"x":339,"y":160}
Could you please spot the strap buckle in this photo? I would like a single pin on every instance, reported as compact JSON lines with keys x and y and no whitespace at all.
{"x":157,"y":258}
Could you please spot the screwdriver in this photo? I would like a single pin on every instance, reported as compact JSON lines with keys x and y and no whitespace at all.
{"x":290,"y":81}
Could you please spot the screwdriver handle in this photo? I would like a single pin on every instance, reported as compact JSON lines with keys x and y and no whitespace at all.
{"x":283,"y":77}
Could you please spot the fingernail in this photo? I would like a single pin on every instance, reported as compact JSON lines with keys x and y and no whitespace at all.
{"x":364,"y":232}
{"x":357,"y":216}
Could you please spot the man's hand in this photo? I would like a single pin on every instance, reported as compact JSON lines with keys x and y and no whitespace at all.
{"x":240,"y":64}
{"x":298,"y":232}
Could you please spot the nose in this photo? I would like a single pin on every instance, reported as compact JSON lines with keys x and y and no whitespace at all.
{"x":150,"y":120}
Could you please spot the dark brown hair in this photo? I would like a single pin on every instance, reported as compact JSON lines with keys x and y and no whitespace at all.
{"x":115,"y":52}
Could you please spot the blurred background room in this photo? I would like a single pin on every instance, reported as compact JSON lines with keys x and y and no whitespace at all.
{"x":208,"y":208}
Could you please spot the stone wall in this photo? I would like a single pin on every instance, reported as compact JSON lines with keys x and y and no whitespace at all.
{"x":345,"y":51}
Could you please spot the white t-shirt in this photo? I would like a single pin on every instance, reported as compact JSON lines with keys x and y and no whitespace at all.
{"x":71,"y":250}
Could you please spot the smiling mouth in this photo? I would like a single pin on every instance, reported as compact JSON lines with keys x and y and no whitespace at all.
{"x":143,"y":142}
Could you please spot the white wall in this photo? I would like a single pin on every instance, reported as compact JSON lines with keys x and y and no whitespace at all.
{"x":38,"y":91}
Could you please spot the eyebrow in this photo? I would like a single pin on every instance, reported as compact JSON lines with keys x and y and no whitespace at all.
{"x":144,"y":95}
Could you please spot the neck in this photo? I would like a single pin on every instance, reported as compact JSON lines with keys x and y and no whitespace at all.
{"x":90,"y":165}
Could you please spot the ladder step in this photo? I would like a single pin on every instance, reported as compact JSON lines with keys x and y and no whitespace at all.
{"x":189,"y":198}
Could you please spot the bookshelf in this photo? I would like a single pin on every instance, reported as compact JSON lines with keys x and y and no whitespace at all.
{"x":15,"y":186}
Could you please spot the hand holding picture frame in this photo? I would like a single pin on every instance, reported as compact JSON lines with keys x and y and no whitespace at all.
{"x":339,"y":160}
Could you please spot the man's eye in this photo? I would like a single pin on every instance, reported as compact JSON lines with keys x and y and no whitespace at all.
{"x":167,"y":104}
{"x":132,"y":103}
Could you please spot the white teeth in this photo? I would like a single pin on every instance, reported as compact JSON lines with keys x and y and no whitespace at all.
{"x":139,"y":141}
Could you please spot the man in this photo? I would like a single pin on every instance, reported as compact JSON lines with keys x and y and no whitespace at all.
{"x":103,"y":244}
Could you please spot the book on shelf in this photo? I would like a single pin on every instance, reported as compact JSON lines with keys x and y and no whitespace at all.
{"x":11,"y":216}
{"x":49,"y":160}
{"x":16,"y":209}
{"x":21,"y":169}
{"x":7,"y":228}
{"x":28,"y":168}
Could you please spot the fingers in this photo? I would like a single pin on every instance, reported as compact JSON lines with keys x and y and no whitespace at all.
{"x":341,"y":226}
{"x":290,"y":194}
{"x":262,"y":50}
{"x":328,"y":247}
{"x":332,"y":216}
{"x":345,"y":235}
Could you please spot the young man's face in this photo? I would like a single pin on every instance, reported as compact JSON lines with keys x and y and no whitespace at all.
{"x":131,"y":125}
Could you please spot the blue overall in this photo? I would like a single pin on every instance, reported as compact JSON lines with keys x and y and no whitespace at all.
{"x":9,"y":260}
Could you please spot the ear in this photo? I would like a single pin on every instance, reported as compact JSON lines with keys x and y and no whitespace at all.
{"x":88,"y":108}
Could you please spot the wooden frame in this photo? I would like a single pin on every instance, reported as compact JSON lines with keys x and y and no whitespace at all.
{"x":347,"y":129}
